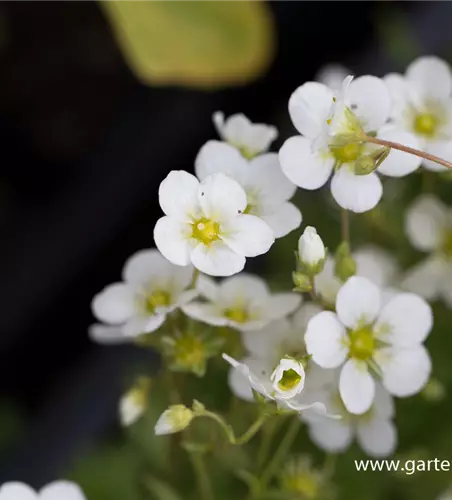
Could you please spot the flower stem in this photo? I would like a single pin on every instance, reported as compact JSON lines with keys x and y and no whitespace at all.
{"x":406,"y":149}
{"x":266,"y":441}
{"x":252,"y":431}
{"x":313,"y":291}
{"x":345,"y":226}
{"x":202,"y":477}
{"x":194,"y":279}
{"x":281,"y":451}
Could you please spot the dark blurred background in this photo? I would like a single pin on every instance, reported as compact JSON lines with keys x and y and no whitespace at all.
{"x":83,"y":148}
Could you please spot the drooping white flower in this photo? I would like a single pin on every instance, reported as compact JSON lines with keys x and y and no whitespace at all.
{"x":332,"y":75}
{"x":364,"y":335}
{"x":422,"y":105}
{"x":428,"y":225}
{"x":374,"y":431}
{"x":151,"y":288}
{"x":205,"y":224}
{"x":58,"y":490}
{"x":242,"y":302}
{"x":251,"y":139}
{"x":268,"y":190}
{"x":311,"y":250}
{"x":330,"y":124}
{"x":175,"y":419}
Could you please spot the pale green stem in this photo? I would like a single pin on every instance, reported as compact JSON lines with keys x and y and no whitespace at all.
{"x":202,"y":476}
{"x":345,"y":226}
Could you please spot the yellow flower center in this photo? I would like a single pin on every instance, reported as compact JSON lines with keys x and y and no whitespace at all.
{"x":348,"y":153}
{"x":237,"y":314}
{"x":159,"y":298}
{"x":426,"y":124}
{"x":206,"y":231}
{"x":289,"y":380}
{"x":361,"y":343}
{"x":446,"y":246}
{"x":189,"y":351}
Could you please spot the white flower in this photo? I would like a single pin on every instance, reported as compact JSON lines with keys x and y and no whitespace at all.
{"x":243,"y":302}
{"x":134,"y":402}
{"x":57,"y":490}
{"x":428,"y":225}
{"x":364,"y":334}
{"x":175,"y":419}
{"x":423,"y":106}
{"x":249,"y":138}
{"x":267,"y":189}
{"x":374,"y":431}
{"x":311,"y":250}
{"x":204,"y":224}
{"x":332,"y":75}
{"x":330,"y":123}
{"x":151,"y":288}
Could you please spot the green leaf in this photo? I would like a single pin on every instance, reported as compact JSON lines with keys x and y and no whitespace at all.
{"x":196,"y":44}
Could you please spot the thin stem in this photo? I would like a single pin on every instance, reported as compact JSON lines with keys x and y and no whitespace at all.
{"x":202,"y":477}
{"x":227,"y":429}
{"x":345,"y":226}
{"x":281,"y":451}
{"x":252,"y":431}
{"x":406,"y":149}
{"x":194,"y":279}
{"x":266,"y":441}
{"x":313,"y":291}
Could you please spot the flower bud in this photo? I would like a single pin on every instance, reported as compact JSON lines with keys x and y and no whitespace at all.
{"x":301,"y":282}
{"x":134,"y":402}
{"x":345,"y":265}
{"x":311,"y":252}
{"x":175,"y":419}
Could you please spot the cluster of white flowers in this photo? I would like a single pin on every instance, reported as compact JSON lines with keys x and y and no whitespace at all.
{"x":59,"y":490}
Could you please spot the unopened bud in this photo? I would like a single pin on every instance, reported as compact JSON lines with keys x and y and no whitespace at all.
{"x":311,"y":252}
{"x":345,"y":265}
{"x":175,"y":419}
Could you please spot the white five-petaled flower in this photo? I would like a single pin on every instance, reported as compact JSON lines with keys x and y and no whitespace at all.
{"x":242,"y":302}
{"x":151,"y":288}
{"x":175,"y":419}
{"x":205,"y":224}
{"x":365,"y":335}
{"x":329,"y":123}
{"x":311,"y":250}
{"x":375,"y":430}
{"x":428,"y":225}
{"x":64,"y":490}
{"x":268,"y":190}
{"x":422,"y":105}
{"x":249,"y":138}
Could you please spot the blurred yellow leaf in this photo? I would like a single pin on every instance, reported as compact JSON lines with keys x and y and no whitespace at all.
{"x":202,"y":44}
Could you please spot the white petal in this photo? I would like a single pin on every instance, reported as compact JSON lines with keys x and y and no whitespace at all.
{"x":217,"y":259}
{"x":147,"y":324}
{"x":178,"y":195}
{"x":244,"y":288}
{"x":399,"y":163}
{"x":240,"y":385}
{"x":331,"y":435}
{"x":356,"y":386}
{"x":129,"y":410}
{"x":282,"y":304}
{"x":358,"y":193}
{"x":405,"y":321}
{"x":332,"y":75}
{"x":248,"y":235}
{"x":206,"y":313}
{"x":17,"y":491}
{"x":256,"y":371}
{"x":172,"y":239}
{"x":269,"y":181}
{"x":425,"y":222}
{"x":377,"y":437}
{"x":425,"y":278}
{"x":61,"y":490}
{"x":383,"y":406}
{"x":375,"y":264}
{"x":399,"y":90}
{"x":405,"y":371}
{"x":186,"y":297}
{"x":431,"y":77}
{"x":145,"y":264}
{"x":114,"y":304}
{"x":442,"y":149}
{"x":327,"y":284}
{"x":302,"y":166}
{"x":302,"y":317}
{"x":207,"y":287}
{"x":221,"y":197}
{"x":370,"y":101}
{"x":284,"y":220}
{"x":266,"y":342}
{"x":106,"y":334}
{"x":219,"y":157}
{"x":309,"y":106}
{"x":325,"y":340}
{"x":358,"y":302}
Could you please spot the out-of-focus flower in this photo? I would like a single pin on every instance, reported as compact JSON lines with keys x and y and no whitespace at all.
{"x":332,"y":75}
{"x":151,"y":288}
{"x":242,"y":302}
{"x":267,"y":189}
{"x":331,"y":125}
{"x":428,"y":225}
{"x":374,"y":431}
{"x":63,"y":490}
{"x":364,"y":334}
{"x":422,"y":105}
{"x":205,"y":224}
{"x":175,"y":419}
{"x":251,"y":139}
{"x":445,"y":495}
{"x":311,"y":251}
{"x":134,"y":402}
